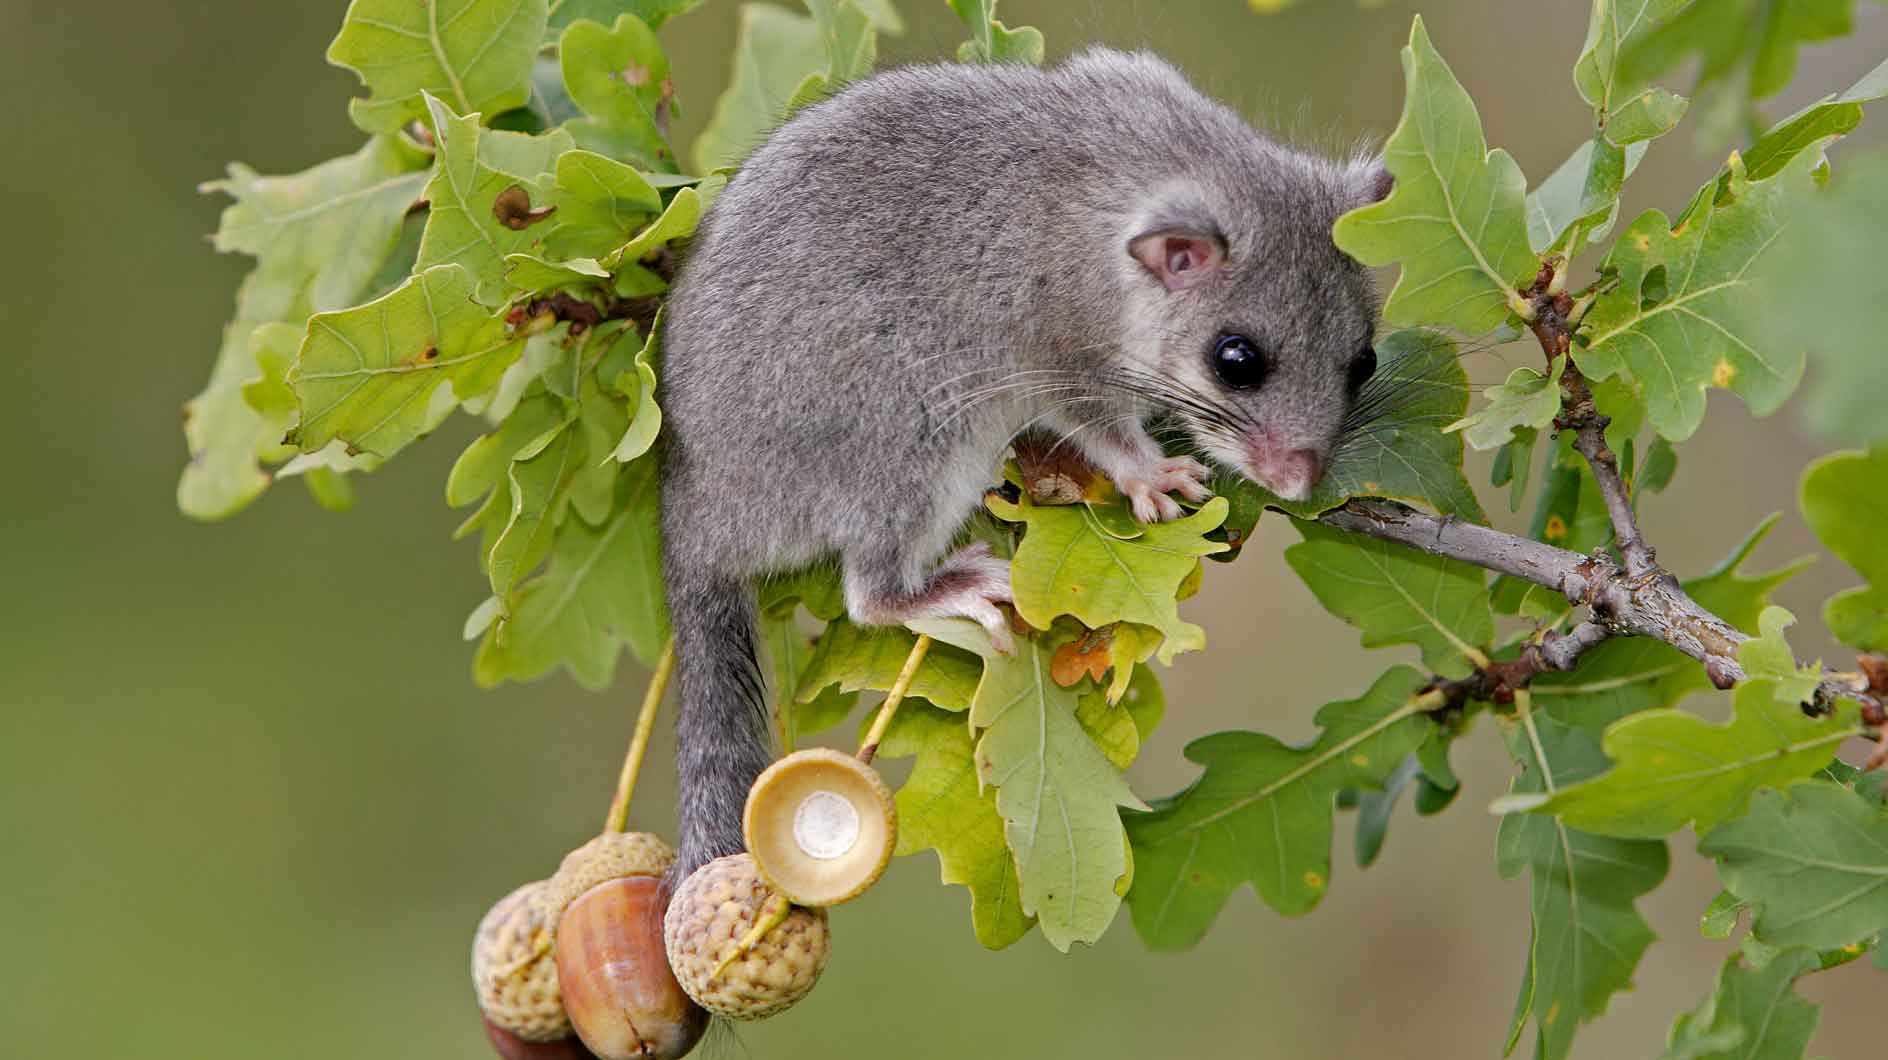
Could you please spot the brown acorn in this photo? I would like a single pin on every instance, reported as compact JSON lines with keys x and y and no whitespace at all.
{"x":740,"y":948}
{"x":618,"y":989}
{"x":511,"y":1047}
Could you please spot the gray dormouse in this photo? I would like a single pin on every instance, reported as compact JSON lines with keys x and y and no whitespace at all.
{"x":907,"y":275}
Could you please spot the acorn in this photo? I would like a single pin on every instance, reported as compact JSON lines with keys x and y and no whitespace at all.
{"x":821,"y":826}
{"x":512,"y":971}
{"x":581,"y":953}
{"x":738,"y":947}
{"x":621,"y":996}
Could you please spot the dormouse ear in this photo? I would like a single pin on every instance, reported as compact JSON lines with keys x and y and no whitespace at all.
{"x":1377,"y":182}
{"x":1178,"y":258}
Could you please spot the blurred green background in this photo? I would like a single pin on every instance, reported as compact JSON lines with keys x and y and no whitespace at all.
{"x":252,"y":805}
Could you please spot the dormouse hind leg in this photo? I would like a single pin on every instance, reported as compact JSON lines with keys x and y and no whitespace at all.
{"x":1134,"y":463}
{"x":969,"y":583}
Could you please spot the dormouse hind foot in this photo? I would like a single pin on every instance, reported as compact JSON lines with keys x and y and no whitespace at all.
{"x":969,"y":583}
{"x":1146,"y":487}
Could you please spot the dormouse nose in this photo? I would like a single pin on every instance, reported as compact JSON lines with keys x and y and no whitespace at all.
{"x":1291,"y":473}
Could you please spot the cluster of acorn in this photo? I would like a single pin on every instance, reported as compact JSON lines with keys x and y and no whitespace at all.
{"x":590,"y":963}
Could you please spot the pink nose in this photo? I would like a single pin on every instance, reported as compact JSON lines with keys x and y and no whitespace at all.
{"x":1290,"y":474}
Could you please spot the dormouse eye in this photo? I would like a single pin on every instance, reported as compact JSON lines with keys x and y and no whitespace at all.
{"x":1238,"y":363}
{"x":1362,"y":367}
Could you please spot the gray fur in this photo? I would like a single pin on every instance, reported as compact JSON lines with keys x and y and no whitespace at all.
{"x":906,"y":275}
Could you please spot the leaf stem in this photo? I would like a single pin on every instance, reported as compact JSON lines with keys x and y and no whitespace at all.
{"x":869,"y":749}
{"x":618,"y":819}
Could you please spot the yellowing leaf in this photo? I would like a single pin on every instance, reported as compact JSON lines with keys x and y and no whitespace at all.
{"x":476,"y":54}
{"x":1455,"y":222}
{"x":1055,"y":788}
{"x":1069,"y":564}
{"x":944,"y":807}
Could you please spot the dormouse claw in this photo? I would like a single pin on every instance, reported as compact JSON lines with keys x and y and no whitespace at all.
{"x":1147,"y":491}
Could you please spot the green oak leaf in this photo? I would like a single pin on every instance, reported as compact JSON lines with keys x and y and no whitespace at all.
{"x":993,"y":42}
{"x":1625,"y":110}
{"x":1058,"y":793}
{"x":1768,"y":655}
{"x":528,"y":272}
{"x":376,"y":376}
{"x":476,"y":166}
{"x":783,"y":59}
{"x":1754,"y":1014}
{"x":540,"y":478}
{"x":1069,"y":564}
{"x":1583,"y":191}
{"x":1397,"y":595}
{"x":601,"y":204}
{"x":1587,"y":936}
{"x":677,"y":221}
{"x":1527,"y":399}
{"x":1374,"y":809}
{"x":482,"y":472}
{"x":791,"y":651}
{"x":619,"y":77}
{"x":1812,"y":862}
{"x":944,"y":806}
{"x":1626,"y":675}
{"x":1685,"y":316}
{"x":1845,"y":501}
{"x":846,"y":32}
{"x":645,"y":415}
{"x":1672,"y":768}
{"x":602,"y":591}
{"x":653,"y":13}
{"x":1834,"y":115}
{"x":320,"y":239}
{"x":1401,"y":452}
{"x":1456,"y":221}
{"x":1833,"y":239}
{"x":856,"y":658}
{"x":1720,"y":917}
{"x":1746,"y":51}
{"x":1261,"y":813}
{"x":817,"y":588}
{"x":474,"y":53}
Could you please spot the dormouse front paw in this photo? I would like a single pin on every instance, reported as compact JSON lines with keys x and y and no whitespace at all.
{"x":1147,"y":490}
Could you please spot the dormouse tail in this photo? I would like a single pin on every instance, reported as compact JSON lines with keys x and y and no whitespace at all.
{"x":721,"y":728}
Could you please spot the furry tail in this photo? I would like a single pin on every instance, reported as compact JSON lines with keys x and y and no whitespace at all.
{"x":721,"y":729}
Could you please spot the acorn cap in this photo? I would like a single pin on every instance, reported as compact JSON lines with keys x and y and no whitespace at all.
{"x":513,"y":973}
{"x":821,"y":826}
{"x":609,"y":856}
{"x":737,"y":947}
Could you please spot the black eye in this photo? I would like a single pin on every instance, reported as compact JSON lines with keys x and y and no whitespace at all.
{"x":1362,"y":367}
{"x":1238,"y":363}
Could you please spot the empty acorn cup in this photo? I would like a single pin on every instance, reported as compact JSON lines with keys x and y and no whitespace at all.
{"x":821,"y":826}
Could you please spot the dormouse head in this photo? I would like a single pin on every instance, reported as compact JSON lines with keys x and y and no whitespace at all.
{"x":1245,"y":316}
